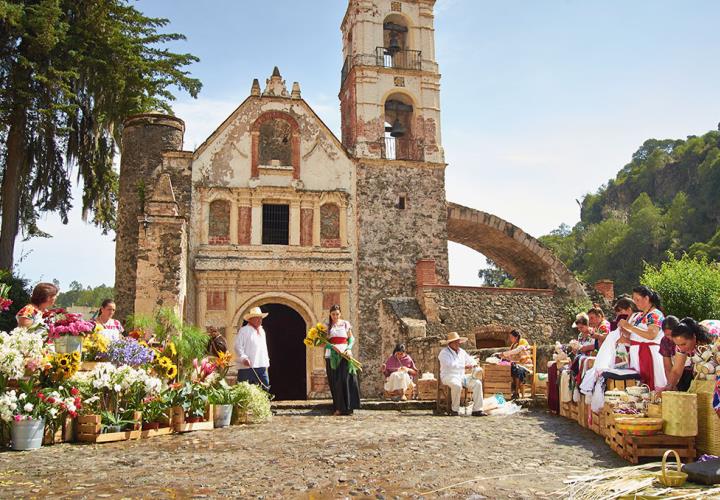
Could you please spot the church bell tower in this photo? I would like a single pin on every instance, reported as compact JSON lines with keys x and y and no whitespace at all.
{"x":390,"y":106}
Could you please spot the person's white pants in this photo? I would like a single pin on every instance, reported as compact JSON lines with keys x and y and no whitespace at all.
{"x":468,"y":382}
{"x":399,"y":380}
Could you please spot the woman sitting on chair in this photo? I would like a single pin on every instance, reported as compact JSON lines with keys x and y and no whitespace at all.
{"x":522,"y":363}
{"x":399,"y":371}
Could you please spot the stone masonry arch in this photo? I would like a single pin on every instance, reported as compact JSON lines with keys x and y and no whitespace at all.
{"x":521,"y":255}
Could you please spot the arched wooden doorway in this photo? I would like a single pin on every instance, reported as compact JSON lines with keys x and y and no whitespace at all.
{"x":285,"y":330}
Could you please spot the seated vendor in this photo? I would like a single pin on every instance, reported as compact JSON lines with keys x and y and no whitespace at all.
{"x":453,"y":362}
{"x":399,"y":371}
{"x":520,"y":358}
{"x":585,"y":334}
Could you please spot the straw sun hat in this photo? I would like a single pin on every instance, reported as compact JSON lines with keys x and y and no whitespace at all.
{"x":452,"y":337}
{"x":255,"y":312}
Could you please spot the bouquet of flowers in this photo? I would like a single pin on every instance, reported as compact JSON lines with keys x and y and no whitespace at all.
{"x":128,"y":351}
{"x":35,"y":404}
{"x":5,"y":302}
{"x":317,"y":336}
{"x":60,"y":322}
{"x":95,"y":347}
{"x":59,"y":367}
{"x":21,"y":354}
{"x":164,"y":365}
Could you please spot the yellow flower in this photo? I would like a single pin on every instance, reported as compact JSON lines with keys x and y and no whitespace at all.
{"x":171,"y":372}
{"x":63,"y":361}
{"x":308,"y":342}
{"x":164,"y":362}
{"x":312,"y":333}
{"x":321,"y":328}
{"x":171,"y":347}
{"x":223,"y":359}
{"x":76,"y":356}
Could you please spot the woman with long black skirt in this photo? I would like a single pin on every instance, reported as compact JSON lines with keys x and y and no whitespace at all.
{"x":342,"y":378}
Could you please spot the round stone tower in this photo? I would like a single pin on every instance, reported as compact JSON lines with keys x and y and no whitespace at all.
{"x":145,"y":137}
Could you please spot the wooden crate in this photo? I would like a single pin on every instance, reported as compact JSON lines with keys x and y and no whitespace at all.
{"x":638,"y":447}
{"x":150,"y":433}
{"x":620,"y":385}
{"x":596,"y":422}
{"x":497,"y":379}
{"x":427,"y":389}
{"x":177,"y":418}
{"x":569,"y":410}
{"x":582,"y":413}
{"x":66,"y":432}
{"x":90,"y":430}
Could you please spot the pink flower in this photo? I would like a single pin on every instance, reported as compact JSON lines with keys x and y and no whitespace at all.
{"x":195,"y":363}
{"x":74,"y":391}
{"x":18,"y":418}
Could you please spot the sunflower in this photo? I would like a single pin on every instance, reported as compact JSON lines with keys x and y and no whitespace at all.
{"x":164,"y":362}
{"x":63,"y":361}
{"x":308,"y":342}
{"x":171,"y":347}
{"x":312,"y":333}
{"x":171,"y":372}
{"x":76,"y":356}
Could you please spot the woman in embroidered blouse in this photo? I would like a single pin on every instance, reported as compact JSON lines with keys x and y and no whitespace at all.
{"x":42,"y":298}
{"x":686,"y":335}
{"x":399,"y":371}
{"x":343,"y":384}
{"x":520,"y":358}
{"x":105,"y":322}
{"x":643,"y":329}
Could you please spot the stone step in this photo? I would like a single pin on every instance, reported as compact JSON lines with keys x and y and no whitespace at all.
{"x":385,"y":405}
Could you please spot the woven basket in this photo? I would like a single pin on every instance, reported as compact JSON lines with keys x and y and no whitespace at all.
{"x":679,"y":412}
{"x":654,"y":410}
{"x":708,"y":438}
{"x":672,"y":478}
{"x":639,"y":426}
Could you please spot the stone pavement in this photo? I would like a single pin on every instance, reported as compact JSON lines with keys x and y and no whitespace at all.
{"x":310,"y":455}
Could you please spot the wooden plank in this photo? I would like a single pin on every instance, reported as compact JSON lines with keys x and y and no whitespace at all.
{"x":88,"y":419}
{"x":150,"y":433}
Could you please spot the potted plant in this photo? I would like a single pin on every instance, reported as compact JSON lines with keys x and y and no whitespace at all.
{"x":223,"y":400}
{"x":113,"y":422}
{"x":252,"y":404}
{"x":154,"y":413}
{"x":67,"y":330}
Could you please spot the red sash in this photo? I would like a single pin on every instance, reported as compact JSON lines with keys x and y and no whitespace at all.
{"x":647,"y":368}
{"x":338,"y":340}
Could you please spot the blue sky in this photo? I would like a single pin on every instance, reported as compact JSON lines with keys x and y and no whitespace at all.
{"x":542,"y":101}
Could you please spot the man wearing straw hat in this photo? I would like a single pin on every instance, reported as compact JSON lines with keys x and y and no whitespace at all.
{"x":251,"y":350}
{"x":453,"y":362}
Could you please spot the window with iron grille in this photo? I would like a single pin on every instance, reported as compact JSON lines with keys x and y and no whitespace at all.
{"x":275,"y":224}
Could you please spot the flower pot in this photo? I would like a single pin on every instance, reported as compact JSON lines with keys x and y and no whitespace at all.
{"x":222,"y":415}
{"x":27,"y":434}
{"x":68,"y":343}
{"x":109,"y":429}
{"x":150,"y":426}
{"x":194,"y":420}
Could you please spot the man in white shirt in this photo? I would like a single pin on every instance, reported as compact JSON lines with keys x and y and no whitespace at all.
{"x":453,"y":362}
{"x":251,"y":350}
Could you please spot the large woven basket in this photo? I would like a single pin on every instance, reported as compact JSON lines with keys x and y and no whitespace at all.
{"x":679,"y":412}
{"x":708,"y":438}
{"x":638,"y":426}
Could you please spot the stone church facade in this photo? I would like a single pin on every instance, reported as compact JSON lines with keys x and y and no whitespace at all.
{"x":273,"y":210}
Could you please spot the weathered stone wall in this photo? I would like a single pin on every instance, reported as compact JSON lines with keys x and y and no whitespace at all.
{"x":540,"y":315}
{"x":145,"y":138}
{"x":391,"y":240}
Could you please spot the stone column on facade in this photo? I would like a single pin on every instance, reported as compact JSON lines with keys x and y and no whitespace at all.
{"x":295,"y":223}
{"x":233,"y":222}
{"x":256,"y":222}
{"x":145,"y":138}
{"x":316,"y":223}
{"x":201,"y":305}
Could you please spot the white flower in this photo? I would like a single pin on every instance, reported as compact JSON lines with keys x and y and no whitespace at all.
{"x":13,"y":406}
{"x":22,"y":397}
{"x":53,"y":412}
{"x":28,"y":407}
{"x":117,"y":388}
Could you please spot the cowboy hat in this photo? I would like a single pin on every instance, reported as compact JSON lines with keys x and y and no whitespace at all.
{"x":255,"y":312}
{"x":452,"y":337}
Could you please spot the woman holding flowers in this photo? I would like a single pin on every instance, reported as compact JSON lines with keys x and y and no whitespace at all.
{"x":42,"y":298}
{"x":343,"y":383}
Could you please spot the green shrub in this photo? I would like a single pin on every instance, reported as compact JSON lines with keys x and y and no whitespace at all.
{"x":688,"y":286}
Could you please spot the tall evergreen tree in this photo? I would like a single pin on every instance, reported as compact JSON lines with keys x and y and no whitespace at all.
{"x":70,"y":72}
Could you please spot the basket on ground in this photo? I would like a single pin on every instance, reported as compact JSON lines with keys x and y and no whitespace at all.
{"x":672,"y":478}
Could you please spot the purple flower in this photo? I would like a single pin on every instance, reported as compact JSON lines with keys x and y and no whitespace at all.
{"x":128,"y":351}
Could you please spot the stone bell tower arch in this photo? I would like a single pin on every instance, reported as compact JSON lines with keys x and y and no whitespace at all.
{"x":390,"y":107}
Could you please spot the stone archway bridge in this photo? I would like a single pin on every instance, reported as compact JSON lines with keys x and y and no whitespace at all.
{"x":512,"y":249}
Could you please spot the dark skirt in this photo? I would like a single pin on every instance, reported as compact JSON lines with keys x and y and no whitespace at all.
{"x":343,"y":387}
{"x":685,"y":380}
{"x":518,"y":372}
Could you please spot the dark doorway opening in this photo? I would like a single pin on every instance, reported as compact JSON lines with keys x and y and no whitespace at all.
{"x":285,"y":330}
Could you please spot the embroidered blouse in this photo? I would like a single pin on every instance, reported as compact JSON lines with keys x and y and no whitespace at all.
{"x":32,"y":313}
{"x":339,"y":330}
{"x":393,"y":364}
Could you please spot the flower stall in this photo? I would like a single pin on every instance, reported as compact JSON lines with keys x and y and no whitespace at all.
{"x":67,"y":380}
